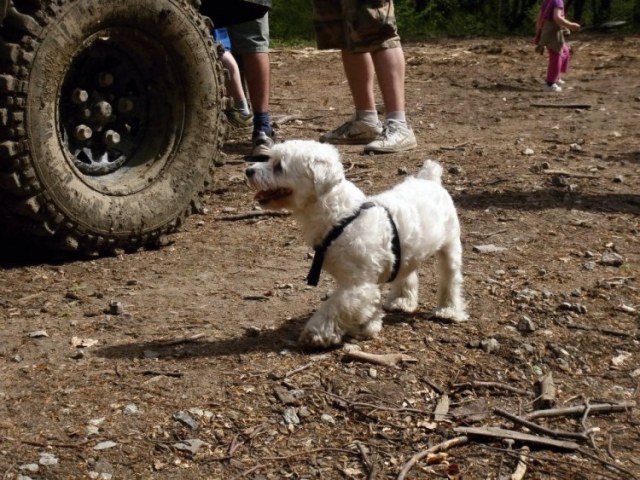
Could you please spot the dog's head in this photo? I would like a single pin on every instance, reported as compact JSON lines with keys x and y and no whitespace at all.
{"x":297,"y":174}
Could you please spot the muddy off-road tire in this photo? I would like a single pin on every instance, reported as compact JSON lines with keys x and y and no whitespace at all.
{"x":111,"y":118}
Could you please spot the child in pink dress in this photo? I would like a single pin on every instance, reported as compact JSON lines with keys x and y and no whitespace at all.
{"x":550,"y":29}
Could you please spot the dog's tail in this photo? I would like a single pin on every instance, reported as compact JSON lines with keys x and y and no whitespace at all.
{"x":431,"y":170}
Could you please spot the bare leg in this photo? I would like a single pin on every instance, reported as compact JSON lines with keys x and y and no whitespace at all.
{"x":257,"y":70}
{"x":390,"y":69}
{"x":358,"y":68}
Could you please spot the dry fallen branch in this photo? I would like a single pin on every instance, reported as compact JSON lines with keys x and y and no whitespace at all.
{"x":538,"y":428}
{"x":498,"y":385}
{"x":517,"y":436}
{"x":607,"y":331}
{"x":521,"y":468}
{"x":547,"y":392}
{"x":580,"y":409}
{"x":387,"y":360}
{"x":257,"y":213}
{"x":454,"y":442}
{"x":562,"y":105}
{"x":564,"y":173}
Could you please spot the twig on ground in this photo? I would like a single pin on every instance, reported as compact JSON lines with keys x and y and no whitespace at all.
{"x":518,"y":436}
{"x":369,"y":464}
{"x":562,"y":105}
{"x":459,"y":146}
{"x":538,"y":428}
{"x":521,"y":468}
{"x":610,"y":448}
{"x":454,"y":442}
{"x":606,"y":462}
{"x":498,"y":385}
{"x":387,"y":360}
{"x":257,"y":213}
{"x":155,"y":373}
{"x":178,"y":341}
{"x":433,"y":385}
{"x":596,"y":408}
{"x":564,"y":173}
{"x":608,"y":331}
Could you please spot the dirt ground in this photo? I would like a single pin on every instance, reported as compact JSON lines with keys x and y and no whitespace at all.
{"x":181,"y":363}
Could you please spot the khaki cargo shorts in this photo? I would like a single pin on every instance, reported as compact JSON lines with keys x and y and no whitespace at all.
{"x":355,"y":25}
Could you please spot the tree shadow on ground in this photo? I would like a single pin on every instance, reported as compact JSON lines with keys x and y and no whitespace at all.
{"x":268,"y":340}
{"x":549,"y":199}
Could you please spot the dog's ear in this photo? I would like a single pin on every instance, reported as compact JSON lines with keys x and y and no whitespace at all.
{"x":327,"y":173}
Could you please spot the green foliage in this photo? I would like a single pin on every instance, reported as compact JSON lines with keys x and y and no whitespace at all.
{"x":291,"y":20}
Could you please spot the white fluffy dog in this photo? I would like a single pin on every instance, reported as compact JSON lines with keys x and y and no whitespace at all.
{"x":365,"y":241}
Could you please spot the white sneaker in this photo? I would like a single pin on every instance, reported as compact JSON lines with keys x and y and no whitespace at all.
{"x":353,"y":132}
{"x":395,"y":137}
{"x":554,"y":87}
{"x":560,"y":81}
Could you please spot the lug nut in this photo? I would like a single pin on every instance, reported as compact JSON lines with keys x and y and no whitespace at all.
{"x":111,"y":138}
{"x":103,"y":111}
{"x":85,"y":113}
{"x":82,"y":133}
{"x":105,"y":79}
{"x":125,"y":105}
{"x":79,"y":96}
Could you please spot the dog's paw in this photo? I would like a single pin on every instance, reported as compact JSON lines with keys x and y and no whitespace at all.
{"x":451,"y":314}
{"x":401,"y":304}
{"x":313,"y":339}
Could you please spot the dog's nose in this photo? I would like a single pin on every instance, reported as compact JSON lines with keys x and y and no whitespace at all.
{"x":250,"y":172}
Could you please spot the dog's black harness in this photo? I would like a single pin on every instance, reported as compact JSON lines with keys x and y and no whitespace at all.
{"x":318,"y":258}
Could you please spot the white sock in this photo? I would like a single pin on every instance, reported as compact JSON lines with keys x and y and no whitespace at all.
{"x":242,"y":106}
{"x":367,"y":116}
{"x":399,"y":117}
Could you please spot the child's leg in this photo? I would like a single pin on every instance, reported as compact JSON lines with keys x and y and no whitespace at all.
{"x":565,"y":55}
{"x":554,"y":66}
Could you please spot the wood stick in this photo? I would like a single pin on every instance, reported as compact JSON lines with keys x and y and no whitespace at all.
{"x":521,"y":468}
{"x":454,"y":442}
{"x":257,"y":213}
{"x":547,"y":392}
{"x":538,"y":428}
{"x":518,"y":436}
{"x":442,"y":408}
{"x":498,"y":385}
{"x":387,"y":360}
{"x":579,"y":410}
{"x":564,"y":173}
{"x":562,"y":105}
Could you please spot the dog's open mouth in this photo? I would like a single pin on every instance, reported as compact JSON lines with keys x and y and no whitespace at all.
{"x":266,"y":196}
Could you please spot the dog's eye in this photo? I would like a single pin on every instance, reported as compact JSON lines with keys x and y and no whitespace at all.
{"x":277,"y":168}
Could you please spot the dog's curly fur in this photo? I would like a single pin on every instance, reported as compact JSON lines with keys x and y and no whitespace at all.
{"x":307,"y":178}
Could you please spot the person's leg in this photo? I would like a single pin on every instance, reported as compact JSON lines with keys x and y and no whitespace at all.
{"x":359,"y":70}
{"x":251,"y":40}
{"x":565,"y":55}
{"x":234,"y":83}
{"x":553,"y":67}
{"x":390,"y":70}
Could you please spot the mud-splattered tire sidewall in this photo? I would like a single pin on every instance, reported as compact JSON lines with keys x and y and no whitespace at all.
{"x":153,"y":191}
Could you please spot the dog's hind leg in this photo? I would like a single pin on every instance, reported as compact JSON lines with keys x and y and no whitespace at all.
{"x":451,"y":303}
{"x":403,"y":296}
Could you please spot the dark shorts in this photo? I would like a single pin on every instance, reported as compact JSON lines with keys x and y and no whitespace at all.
{"x":234,"y":11}
{"x":355,"y":25}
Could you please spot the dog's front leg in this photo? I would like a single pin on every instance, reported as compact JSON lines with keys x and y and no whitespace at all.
{"x":350,"y":310}
{"x":322,"y":329}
